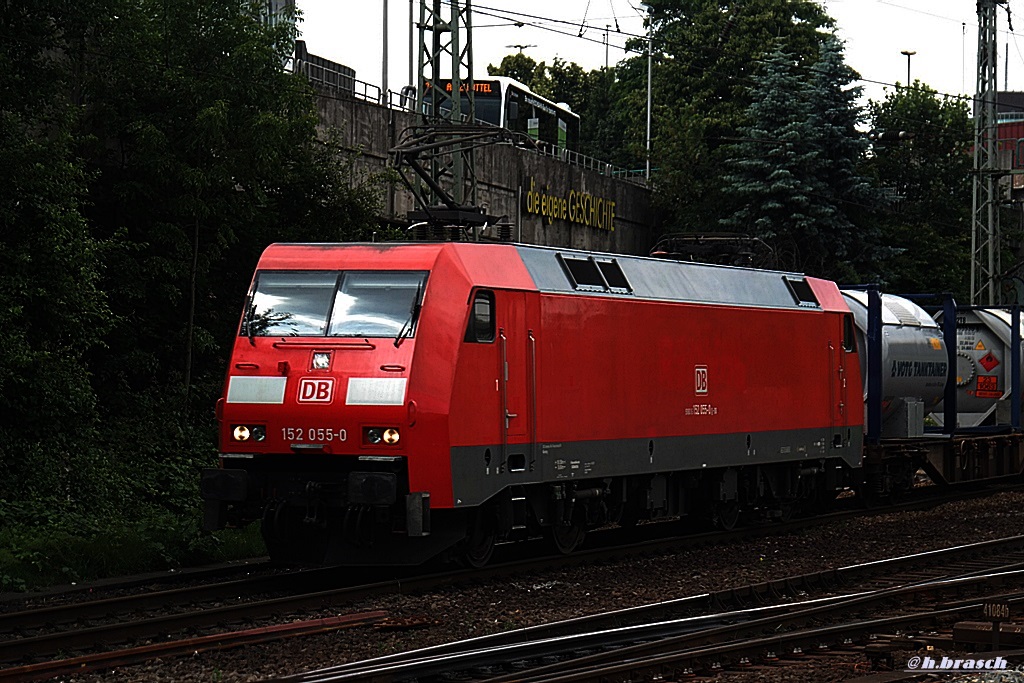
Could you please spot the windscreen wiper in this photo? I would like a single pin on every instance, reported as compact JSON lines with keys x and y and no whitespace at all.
{"x":250,"y":314}
{"x":414,"y":314}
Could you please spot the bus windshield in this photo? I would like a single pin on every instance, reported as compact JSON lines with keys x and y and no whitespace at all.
{"x":332,"y":304}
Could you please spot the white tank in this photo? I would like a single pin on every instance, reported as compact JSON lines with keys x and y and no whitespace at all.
{"x":983,"y":361}
{"x":914,"y":361}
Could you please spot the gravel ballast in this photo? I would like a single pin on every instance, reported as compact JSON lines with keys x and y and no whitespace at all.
{"x":467,"y":611}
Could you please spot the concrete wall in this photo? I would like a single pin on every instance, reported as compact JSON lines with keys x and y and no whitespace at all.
{"x":546,"y":200}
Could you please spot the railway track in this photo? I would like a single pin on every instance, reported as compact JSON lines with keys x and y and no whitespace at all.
{"x":681,"y":637}
{"x":98,"y":624}
{"x":34,"y":638}
{"x":166,"y":579}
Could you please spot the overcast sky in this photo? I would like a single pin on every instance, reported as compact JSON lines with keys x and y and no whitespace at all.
{"x":943,"y":33}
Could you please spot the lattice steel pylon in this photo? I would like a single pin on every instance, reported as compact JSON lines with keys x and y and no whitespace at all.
{"x":446,"y":44}
{"x":985,"y":238}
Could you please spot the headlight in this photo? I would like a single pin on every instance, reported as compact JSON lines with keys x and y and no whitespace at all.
{"x":249,"y":432}
{"x":380,"y":435}
{"x":321,"y":360}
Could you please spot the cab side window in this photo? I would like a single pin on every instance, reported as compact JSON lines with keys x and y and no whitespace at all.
{"x":849,"y":334}
{"x":480,"y":329}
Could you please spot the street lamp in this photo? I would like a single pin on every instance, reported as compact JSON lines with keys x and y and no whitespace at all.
{"x":384,"y":61}
{"x":650,"y":51}
{"x":909,"y":54}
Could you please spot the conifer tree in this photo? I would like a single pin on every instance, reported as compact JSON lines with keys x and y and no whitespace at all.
{"x":775,"y":167}
{"x":857,"y":200}
{"x":794,"y":175}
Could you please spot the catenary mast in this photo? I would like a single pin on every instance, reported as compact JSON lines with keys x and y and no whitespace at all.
{"x":446,"y":44}
{"x":985,"y":261}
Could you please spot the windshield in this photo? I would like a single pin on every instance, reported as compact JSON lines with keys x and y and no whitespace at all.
{"x":347,"y":304}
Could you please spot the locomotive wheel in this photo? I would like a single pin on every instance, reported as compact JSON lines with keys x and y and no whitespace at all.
{"x":786,"y":509}
{"x":727,"y":514}
{"x":566,"y":537}
{"x":480,"y":542}
{"x":280,"y":529}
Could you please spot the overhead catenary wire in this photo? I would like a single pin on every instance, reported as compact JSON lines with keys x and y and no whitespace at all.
{"x":497,"y":12}
{"x":583,"y":23}
{"x":319,"y":94}
{"x":543,"y":21}
{"x":614,"y":17}
{"x":503,"y":14}
{"x":487,"y":11}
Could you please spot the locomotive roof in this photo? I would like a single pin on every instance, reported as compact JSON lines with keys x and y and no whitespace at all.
{"x":654,"y":278}
{"x":571,"y":271}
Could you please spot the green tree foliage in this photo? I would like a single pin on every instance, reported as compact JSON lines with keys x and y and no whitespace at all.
{"x":201,"y":139}
{"x":151,"y":151}
{"x":568,"y":82}
{"x":206,"y":151}
{"x":612,"y":117}
{"x":521,"y":67}
{"x":51,"y":309}
{"x":795,"y":178}
{"x":838,"y":117}
{"x":705,"y":58}
{"x":776,"y":166}
{"x":928,"y":180}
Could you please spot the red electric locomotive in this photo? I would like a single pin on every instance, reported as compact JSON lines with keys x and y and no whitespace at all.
{"x":386,"y":403}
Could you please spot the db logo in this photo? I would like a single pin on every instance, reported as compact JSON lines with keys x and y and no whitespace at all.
{"x":700,"y":379}
{"x":319,"y":390}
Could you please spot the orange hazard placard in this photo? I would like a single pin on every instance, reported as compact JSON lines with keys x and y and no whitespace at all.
{"x":988,"y":387}
{"x":989,"y":361}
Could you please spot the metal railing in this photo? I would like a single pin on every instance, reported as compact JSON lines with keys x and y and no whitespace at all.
{"x":341,"y":82}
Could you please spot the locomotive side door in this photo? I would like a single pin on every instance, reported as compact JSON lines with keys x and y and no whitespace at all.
{"x":838,"y":392}
{"x":516,"y":362}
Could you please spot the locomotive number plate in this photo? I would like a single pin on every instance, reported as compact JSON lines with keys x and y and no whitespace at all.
{"x":701,"y":409}
{"x":313,"y":434}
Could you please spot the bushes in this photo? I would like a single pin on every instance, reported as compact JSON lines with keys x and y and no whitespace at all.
{"x":121,"y":499}
{"x":136,"y":193}
{"x":41,"y":555}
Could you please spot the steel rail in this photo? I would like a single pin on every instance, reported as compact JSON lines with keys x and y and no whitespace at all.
{"x":747,"y":638}
{"x":691,"y":649}
{"x":100,"y":637}
{"x":221,"y":641}
{"x":39,"y":617}
{"x":610,"y":629}
{"x":692,"y":657}
{"x":172,"y":576}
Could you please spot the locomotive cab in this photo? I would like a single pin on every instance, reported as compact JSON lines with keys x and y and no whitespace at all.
{"x":314,"y":422}
{"x":334,"y":423}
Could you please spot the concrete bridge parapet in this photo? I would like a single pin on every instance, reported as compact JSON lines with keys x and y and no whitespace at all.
{"x":544,"y":199}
